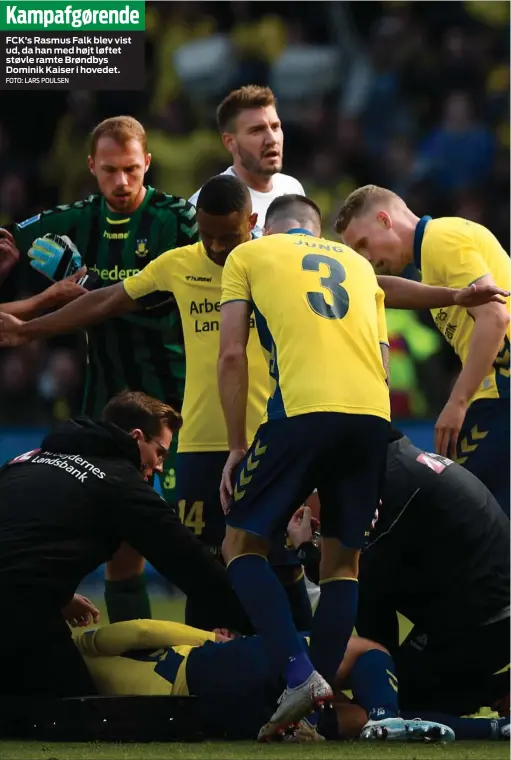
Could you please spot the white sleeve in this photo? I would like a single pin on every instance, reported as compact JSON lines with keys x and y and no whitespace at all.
{"x":193,"y":198}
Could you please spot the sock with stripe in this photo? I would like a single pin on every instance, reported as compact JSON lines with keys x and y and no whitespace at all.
{"x":464,"y":728}
{"x":374,"y":684}
{"x":332,"y":625}
{"x":127,"y":599}
{"x":267,"y":606}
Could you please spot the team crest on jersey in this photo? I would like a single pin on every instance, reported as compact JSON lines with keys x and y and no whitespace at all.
{"x":141,"y":249}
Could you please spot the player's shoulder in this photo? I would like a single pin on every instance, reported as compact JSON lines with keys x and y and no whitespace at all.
{"x":193,"y":198}
{"x":93,"y":202}
{"x":452,"y":229}
{"x":287,"y":185}
{"x":165,"y":202}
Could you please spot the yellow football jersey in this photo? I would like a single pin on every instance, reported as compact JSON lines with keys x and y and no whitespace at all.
{"x":320,"y":317}
{"x":453,"y":252}
{"x":195,"y":281}
{"x":146,"y":657}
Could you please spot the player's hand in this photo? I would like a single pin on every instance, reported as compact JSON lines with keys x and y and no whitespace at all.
{"x":55,"y":256}
{"x":223,"y":634}
{"x":301,"y":526}
{"x":226,"y":490}
{"x":447,"y":428}
{"x":80,"y":612}
{"x":9,"y":254}
{"x":66,"y":290}
{"x":10,"y":335}
{"x":479,"y":294}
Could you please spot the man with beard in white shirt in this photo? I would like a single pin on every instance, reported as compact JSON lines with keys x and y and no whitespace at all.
{"x":251,"y":131}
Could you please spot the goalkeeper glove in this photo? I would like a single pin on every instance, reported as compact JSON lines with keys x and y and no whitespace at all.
{"x":55,"y":256}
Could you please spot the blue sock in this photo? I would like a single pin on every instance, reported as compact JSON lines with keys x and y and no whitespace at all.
{"x":332,"y":625}
{"x":465,"y":728}
{"x":300,"y":604}
{"x":267,"y":606}
{"x":374,"y":685}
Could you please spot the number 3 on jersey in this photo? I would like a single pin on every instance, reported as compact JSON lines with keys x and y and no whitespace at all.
{"x":191,"y":515}
{"x":337,"y":274}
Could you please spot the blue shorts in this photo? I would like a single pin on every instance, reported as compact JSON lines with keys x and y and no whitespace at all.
{"x":198,"y":497}
{"x":342,"y":455}
{"x":483,"y":446}
{"x":235,"y":685}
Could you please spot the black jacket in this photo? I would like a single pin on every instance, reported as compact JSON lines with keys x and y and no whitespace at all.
{"x":66,"y":508}
{"x":439,"y":552}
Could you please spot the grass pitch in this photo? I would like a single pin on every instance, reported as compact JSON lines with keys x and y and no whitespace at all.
{"x":252,"y":751}
{"x":172,"y":608}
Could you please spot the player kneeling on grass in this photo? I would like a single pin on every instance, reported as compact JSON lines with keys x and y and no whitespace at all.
{"x":438,"y":554}
{"x":236,"y":685}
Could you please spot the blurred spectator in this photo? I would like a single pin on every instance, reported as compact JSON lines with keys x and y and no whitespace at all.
{"x":13,"y":198}
{"x":459,"y":152}
{"x":60,"y":384}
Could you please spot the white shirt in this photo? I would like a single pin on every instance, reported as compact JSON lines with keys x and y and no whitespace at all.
{"x":283,"y":184}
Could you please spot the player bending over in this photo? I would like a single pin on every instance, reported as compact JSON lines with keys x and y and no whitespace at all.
{"x":473,"y":427}
{"x":439,"y":554}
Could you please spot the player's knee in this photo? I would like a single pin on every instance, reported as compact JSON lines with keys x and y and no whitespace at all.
{"x":126,"y":563}
{"x":338,"y":561}
{"x":237,"y":542}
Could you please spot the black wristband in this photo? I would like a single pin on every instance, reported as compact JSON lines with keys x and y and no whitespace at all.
{"x":90,"y":281}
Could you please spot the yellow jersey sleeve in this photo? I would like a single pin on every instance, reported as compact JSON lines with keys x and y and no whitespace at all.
{"x":382,"y":319}
{"x":117,"y":638}
{"x":156,"y":276}
{"x":450,"y":257}
{"x":235,"y":284}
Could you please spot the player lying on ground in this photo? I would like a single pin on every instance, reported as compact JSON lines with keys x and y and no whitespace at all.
{"x":438,"y":554}
{"x":236,"y":685}
{"x":474,"y":424}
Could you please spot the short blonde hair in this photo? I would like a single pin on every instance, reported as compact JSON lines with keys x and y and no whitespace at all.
{"x":121,"y":129}
{"x":359,"y":201}
{"x":247,"y":97}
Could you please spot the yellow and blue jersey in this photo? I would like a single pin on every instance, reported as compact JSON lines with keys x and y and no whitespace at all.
{"x":146,"y":657}
{"x":195,"y":281}
{"x":454,"y":252}
{"x":320,"y":317}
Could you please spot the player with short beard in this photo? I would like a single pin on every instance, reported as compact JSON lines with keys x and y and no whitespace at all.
{"x":251,"y":131}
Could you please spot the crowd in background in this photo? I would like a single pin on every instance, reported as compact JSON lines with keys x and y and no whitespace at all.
{"x":412,"y":96}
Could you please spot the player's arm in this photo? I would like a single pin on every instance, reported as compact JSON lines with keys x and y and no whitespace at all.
{"x":401,"y":293}
{"x":53,"y":297}
{"x":491,"y":322}
{"x":137,"y":292}
{"x":89,"y":309}
{"x":142,"y":518}
{"x":382,"y":332}
{"x":236,"y":308}
{"x":118,"y":638}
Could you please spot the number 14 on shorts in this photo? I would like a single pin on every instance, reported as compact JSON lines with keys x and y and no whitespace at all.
{"x":191,"y":515}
